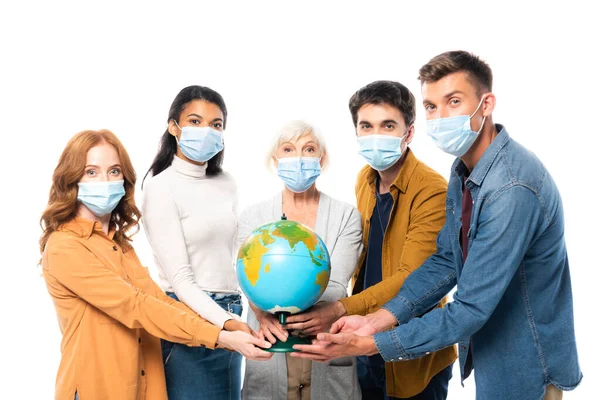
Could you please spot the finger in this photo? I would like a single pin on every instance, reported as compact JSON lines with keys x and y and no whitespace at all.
{"x":310,"y":348}
{"x":299,"y":326}
{"x":328,"y":337}
{"x":268,"y":335}
{"x":259,"y":355}
{"x":313,"y":331}
{"x":337,"y":325}
{"x":279,"y":332}
{"x":260,"y":343}
{"x":299,"y":318}
{"x":310,"y":356}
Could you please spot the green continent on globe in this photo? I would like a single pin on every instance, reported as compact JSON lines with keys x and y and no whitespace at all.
{"x":293,"y":233}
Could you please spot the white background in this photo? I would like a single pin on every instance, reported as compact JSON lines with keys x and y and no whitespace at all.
{"x":69,"y":67}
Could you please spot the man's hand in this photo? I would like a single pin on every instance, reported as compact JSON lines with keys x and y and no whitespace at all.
{"x":379,"y":321}
{"x":359,"y":325}
{"x":317,"y":319}
{"x":329,"y":346}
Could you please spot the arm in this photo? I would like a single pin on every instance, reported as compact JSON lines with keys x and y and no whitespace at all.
{"x":427,"y":216}
{"x":164,"y":232}
{"x":76,"y":268}
{"x":503,"y":237}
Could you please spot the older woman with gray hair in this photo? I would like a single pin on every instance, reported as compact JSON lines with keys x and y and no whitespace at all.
{"x":298,"y":154}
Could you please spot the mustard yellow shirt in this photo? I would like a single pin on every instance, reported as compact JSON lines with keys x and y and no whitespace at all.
{"x":111,"y":315}
{"x":417,"y":216}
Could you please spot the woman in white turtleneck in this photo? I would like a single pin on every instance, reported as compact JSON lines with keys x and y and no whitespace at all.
{"x":190,"y":220}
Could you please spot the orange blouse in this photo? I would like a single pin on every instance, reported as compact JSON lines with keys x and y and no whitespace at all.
{"x":111,"y":315}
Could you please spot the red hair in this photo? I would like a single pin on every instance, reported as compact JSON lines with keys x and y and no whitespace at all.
{"x":62,"y":203}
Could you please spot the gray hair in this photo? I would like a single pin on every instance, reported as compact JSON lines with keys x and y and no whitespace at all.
{"x":291,"y":131}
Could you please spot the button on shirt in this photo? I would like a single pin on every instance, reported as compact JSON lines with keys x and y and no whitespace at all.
{"x":513,"y":299}
{"x":111,"y":315}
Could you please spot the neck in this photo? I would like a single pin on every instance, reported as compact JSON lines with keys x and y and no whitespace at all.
{"x":85,"y":213}
{"x":387,"y":177}
{"x":300,"y":199}
{"x":483,"y":141}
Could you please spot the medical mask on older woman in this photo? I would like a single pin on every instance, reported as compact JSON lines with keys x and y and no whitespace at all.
{"x":299,"y":173}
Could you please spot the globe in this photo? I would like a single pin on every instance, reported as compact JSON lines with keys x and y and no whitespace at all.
{"x":283,"y":267}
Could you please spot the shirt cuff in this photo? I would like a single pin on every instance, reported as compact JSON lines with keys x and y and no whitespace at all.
{"x":389,"y":346}
{"x":401,"y":310}
{"x":206,"y":336}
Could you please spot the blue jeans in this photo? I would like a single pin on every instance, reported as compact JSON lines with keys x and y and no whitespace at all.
{"x":200,"y":373}
{"x":371,"y":378}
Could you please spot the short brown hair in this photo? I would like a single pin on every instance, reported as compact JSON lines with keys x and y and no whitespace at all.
{"x":478,"y":71}
{"x":384,"y":92}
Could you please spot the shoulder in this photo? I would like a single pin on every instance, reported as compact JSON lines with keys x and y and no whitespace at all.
{"x":259,"y":212}
{"x":159,"y":183}
{"x":522,"y":163}
{"x":425,"y":177}
{"x":363,"y":174}
{"x":61,"y":245}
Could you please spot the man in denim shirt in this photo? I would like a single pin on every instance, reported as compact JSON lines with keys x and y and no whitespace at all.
{"x":503,"y":247}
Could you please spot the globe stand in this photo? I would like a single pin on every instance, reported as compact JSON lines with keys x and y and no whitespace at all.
{"x":287,"y":346}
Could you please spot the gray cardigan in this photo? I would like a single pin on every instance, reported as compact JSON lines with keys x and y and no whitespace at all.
{"x":339,"y":225}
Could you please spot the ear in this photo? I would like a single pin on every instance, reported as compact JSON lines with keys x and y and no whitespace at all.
{"x":173,"y":129}
{"x":324,"y":158}
{"x":410,"y":134}
{"x":489,"y":104}
{"x":275,"y":161}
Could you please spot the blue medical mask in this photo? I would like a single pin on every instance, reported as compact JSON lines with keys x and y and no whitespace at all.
{"x":200,"y":143}
{"x":380,"y":151}
{"x":299,"y":173}
{"x":101,"y":198}
{"x":454,"y":134}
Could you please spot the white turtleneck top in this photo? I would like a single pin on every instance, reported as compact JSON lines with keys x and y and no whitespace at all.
{"x":190,"y":221}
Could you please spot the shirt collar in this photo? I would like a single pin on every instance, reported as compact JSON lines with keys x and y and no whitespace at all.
{"x":487,"y":159}
{"x":401,"y":182}
{"x":85,"y":228}
{"x":188,"y":169}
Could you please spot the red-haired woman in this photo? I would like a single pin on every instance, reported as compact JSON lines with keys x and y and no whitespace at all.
{"x":110,"y":312}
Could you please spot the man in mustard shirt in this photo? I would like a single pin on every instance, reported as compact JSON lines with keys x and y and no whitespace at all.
{"x":402,"y":203}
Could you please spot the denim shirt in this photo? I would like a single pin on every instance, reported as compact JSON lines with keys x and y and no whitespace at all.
{"x":513,"y":307}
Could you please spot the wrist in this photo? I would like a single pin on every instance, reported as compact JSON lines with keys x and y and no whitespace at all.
{"x":339,"y":309}
{"x":231,"y":325}
{"x":367,"y":345}
{"x":382,"y":320}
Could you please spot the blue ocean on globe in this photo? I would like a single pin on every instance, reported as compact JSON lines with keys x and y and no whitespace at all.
{"x":283,"y":266}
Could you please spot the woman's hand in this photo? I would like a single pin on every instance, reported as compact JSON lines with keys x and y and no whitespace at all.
{"x":270,"y":328}
{"x":233,"y":325}
{"x":245,"y":344}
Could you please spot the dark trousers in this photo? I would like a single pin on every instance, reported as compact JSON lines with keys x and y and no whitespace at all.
{"x":371,"y":377}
